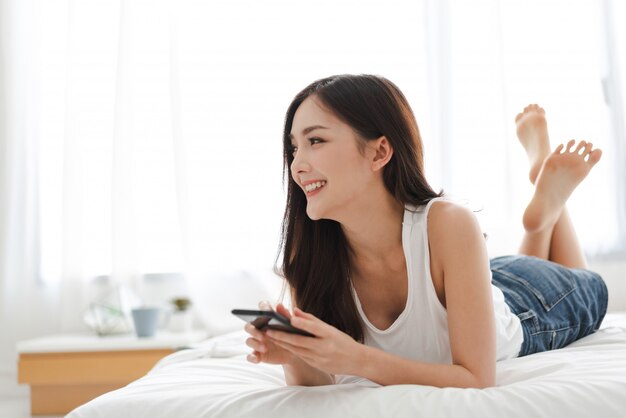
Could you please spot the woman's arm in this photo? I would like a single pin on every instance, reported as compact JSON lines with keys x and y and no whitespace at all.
{"x":459,"y":255}
{"x":299,"y":373}
{"x":387,"y":369}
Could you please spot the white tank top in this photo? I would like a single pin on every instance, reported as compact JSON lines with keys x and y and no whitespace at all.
{"x":420,"y":333}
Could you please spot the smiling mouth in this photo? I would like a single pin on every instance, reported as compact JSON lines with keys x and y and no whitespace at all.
{"x":309,"y":188}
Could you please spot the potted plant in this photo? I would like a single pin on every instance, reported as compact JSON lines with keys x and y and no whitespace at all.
{"x":180,"y":317}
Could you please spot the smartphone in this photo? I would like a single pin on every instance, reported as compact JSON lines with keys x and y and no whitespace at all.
{"x":268,"y":319}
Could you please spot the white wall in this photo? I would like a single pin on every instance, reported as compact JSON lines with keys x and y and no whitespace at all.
{"x":614,"y":274}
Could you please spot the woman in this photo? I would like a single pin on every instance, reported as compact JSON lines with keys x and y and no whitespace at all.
{"x":394,"y":280}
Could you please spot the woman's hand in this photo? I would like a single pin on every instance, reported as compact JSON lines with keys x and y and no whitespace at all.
{"x":264,"y":349}
{"x":331,"y":350}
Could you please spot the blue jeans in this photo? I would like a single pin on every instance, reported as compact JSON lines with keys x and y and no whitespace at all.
{"x":556,"y":305}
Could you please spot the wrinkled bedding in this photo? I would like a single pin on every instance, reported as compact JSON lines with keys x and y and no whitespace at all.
{"x":213,"y":379}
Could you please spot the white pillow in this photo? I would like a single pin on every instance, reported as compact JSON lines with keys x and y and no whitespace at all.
{"x":215,"y":294}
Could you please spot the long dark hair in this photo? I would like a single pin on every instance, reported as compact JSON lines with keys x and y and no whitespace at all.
{"x":316,"y":254}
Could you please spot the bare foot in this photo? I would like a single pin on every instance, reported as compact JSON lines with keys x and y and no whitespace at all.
{"x":559,"y":175}
{"x":532,"y":131}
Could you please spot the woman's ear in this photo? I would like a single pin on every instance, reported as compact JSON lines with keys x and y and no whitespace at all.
{"x":382,"y":153}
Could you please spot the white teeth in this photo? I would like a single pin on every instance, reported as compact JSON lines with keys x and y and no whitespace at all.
{"x":313,"y":186}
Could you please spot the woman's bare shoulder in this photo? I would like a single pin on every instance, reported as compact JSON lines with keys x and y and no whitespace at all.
{"x":450,"y":225}
{"x":446,"y":211}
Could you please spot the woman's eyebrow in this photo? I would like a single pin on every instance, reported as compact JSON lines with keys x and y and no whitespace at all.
{"x":309,"y":129}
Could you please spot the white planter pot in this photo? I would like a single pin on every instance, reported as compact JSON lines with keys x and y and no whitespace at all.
{"x":180,"y":321}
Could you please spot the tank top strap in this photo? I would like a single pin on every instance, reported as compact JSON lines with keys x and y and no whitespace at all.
{"x":416,"y":214}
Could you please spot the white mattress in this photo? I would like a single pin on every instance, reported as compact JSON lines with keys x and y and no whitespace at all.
{"x":213,"y":379}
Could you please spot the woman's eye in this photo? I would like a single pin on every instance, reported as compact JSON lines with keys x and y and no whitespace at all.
{"x":293,"y":149}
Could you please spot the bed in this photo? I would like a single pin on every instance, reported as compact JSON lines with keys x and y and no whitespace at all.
{"x":213,"y":379}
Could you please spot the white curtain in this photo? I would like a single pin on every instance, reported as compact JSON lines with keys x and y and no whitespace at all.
{"x":163,"y":123}
{"x":145,"y":136}
{"x":490,"y":59}
{"x":25,"y":303}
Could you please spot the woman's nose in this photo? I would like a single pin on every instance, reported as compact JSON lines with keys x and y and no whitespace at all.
{"x":299,"y":163}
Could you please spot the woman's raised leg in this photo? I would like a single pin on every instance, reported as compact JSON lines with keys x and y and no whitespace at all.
{"x":549,"y":231}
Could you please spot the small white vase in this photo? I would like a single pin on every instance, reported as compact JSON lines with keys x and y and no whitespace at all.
{"x":180,"y":321}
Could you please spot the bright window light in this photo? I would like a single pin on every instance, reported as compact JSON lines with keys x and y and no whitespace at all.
{"x":160,"y":132}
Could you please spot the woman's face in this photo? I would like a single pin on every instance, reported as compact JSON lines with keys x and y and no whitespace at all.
{"x":334,"y":175}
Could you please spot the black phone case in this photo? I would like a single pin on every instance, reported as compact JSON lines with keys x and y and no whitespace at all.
{"x":268,"y":319}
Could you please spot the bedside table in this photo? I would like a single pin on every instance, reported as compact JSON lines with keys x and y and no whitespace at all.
{"x":65,"y":371}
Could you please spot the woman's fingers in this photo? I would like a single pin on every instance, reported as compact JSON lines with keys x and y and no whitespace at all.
{"x":294,"y":348}
{"x":251,"y":329}
{"x":308,"y":322}
{"x":256,"y":345}
{"x":265,"y":305}
{"x":280,"y":308}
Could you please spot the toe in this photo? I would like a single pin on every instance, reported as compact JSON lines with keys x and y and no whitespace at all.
{"x":569,"y":145}
{"x":594,"y":156}
{"x":580,"y":149}
{"x":558,"y":149}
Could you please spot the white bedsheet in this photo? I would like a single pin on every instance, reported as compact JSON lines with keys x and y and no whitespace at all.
{"x":587,"y":378}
